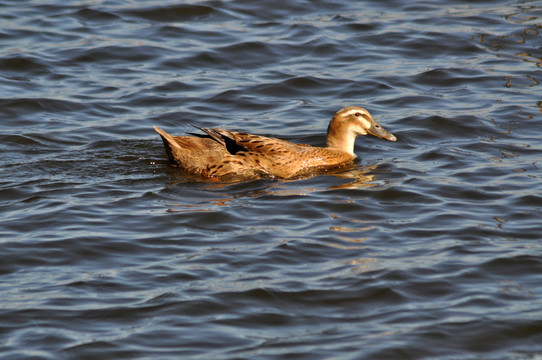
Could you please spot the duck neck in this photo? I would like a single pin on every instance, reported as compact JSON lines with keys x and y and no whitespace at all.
{"x":340,"y":137}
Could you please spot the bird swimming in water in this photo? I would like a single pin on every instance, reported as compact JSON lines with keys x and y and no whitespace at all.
{"x":223,"y":154}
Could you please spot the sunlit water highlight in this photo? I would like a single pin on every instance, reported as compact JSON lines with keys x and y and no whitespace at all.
{"x":428,"y":248}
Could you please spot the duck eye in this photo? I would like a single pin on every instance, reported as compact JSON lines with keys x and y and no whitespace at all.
{"x":358,"y":114}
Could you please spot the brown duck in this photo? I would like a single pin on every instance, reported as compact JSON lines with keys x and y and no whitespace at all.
{"x":223,"y":154}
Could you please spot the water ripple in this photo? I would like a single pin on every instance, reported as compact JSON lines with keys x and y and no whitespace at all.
{"x":425,"y":248}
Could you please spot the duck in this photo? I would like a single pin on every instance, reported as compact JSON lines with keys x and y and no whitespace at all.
{"x":220,"y":154}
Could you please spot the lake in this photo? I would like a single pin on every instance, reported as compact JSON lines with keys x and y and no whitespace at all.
{"x":428,"y":248}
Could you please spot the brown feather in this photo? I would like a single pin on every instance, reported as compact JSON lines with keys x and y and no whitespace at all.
{"x":225,"y":154}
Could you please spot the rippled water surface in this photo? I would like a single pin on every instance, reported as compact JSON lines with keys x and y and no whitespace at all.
{"x":429,"y":247}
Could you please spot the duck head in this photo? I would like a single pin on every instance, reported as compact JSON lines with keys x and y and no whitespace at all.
{"x":350,"y":122}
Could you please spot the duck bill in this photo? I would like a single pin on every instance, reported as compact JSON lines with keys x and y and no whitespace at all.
{"x":380,"y":132}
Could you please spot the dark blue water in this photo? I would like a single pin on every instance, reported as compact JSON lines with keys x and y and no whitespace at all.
{"x":429,"y":248}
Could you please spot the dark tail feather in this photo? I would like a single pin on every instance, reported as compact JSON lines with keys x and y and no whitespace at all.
{"x":213,"y":134}
{"x":223,"y":137}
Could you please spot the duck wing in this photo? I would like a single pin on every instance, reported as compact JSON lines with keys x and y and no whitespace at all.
{"x":224,"y":137}
{"x":255,"y":144}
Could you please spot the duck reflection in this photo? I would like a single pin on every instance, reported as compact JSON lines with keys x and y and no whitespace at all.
{"x":224,"y":193}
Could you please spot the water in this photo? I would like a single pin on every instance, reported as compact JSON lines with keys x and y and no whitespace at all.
{"x":429,"y":248}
